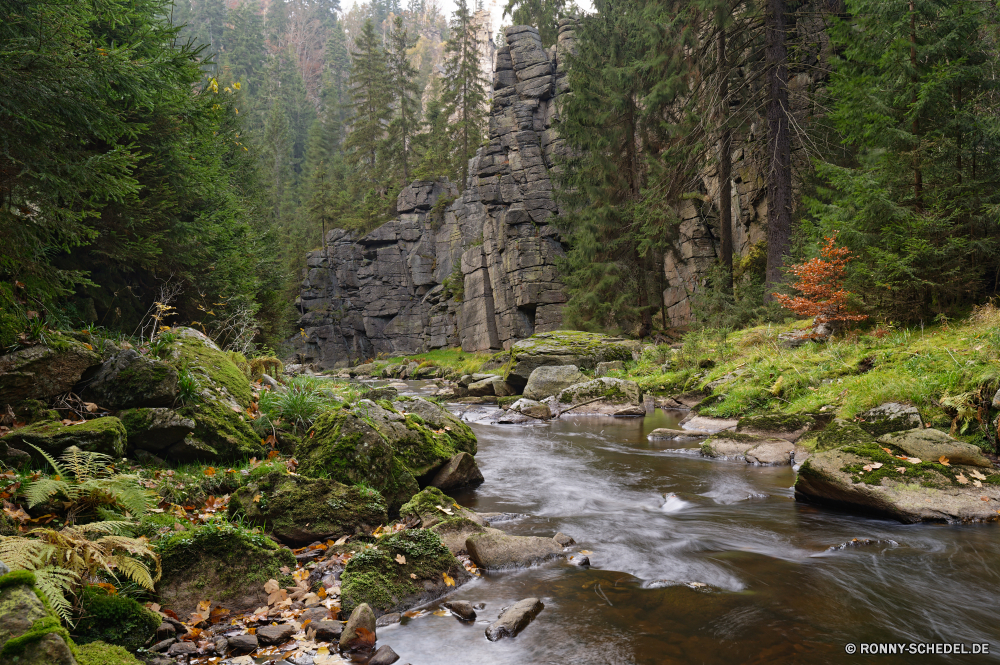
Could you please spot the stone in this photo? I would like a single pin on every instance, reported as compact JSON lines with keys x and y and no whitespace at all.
{"x":241,"y":644}
{"x":20,"y":609}
{"x":388,"y":619}
{"x":360,"y":624}
{"x":165,"y":631}
{"x":44,"y":370}
{"x":996,"y":400}
{"x":667,"y":433}
{"x":531,"y":409}
{"x":481,"y":388}
{"x":460,"y":471}
{"x":837,"y":477}
{"x":385,"y":392}
{"x":781,"y":426}
{"x":612,"y":366}
{"x":492,"y":549}
{"x":604,"y":396}
{"x":455,"y":531}
{"x":462,"y":609}
{"x":315,"y":614}
{"x":428,"y":507}
{"x":273,"y":635}
{"x":549,"y":380}
{"x":301,"y":510}
{"x":221,"y":645}
{"x":407,"y":569}
{"x":384,"y":656}
{"x":698,"y":423}
{"x":563,"y":540}
{"x":931,"y":444}
{"x":104,"y":435}
{"x":231,"y":561}
{"x":889,"y":417}
{"x":514,"y":619}
{"x":182,"y":649}
{"x":155,"y":429}
{"x":128,"y":381}
{"x":327,"y":631}
{"x":162,"y":645}
{"x":582,"y":349}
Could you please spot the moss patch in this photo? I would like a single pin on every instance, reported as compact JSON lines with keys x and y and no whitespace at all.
{"x":99,"y":653}
{"x":113,"y":619}
{"x":775,"y":422}
{"x":835,"y":435}
{"x":102,"y":435}
{"x":213,"y":368}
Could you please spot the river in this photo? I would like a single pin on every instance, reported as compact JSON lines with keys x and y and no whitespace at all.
{"x":660,"y":521}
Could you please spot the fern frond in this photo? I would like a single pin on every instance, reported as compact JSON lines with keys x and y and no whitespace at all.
{"x":21,"y":553}
{"x":48,"y":458}
{"x":133,"y":569}
{"x":107,"y":526}
{"x":39,"y":491}
{"x":86,"y":464}
{"x":55,"y":584}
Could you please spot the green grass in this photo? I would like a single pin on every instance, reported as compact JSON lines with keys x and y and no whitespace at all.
{"x":455,"y":360}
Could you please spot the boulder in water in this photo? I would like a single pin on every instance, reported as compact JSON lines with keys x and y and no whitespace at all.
{"x":492,"y":549}
{"x":604,"y":396}
{"x":551,"y":379}
{"x":514,"y":619}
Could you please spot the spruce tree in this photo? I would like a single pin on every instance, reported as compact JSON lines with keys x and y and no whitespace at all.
{"x":246,"y":52}
{"x":406,"y":102}
{"x":464,"y":90}
{"x":543,"y":14}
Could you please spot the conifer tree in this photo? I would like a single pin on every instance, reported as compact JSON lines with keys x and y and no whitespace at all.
{"x":464,"y":90}
{"x":246,"y":52}
{"x":434,"y":145}
{"x":406,"y":102}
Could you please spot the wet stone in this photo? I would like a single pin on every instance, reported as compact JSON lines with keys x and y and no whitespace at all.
{"x":240,"y":644}
{"x":181,"y":649}
{"x":514,"y":619}
{"x":384,"y":656}
{"x":270,"y":635}
{"x":388,"y":619}
{"x":462,"y":609}
{"x":327,"y":631}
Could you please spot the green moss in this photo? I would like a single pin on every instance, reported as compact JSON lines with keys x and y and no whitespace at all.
{"x":741,"y":437}
{"x":835,"y":435}
{"x":136,"y":421}
{"x":113,"y":619}
{"x":426,"y":502}
{"x":99,"y":653}
{"x":875,"y":452}
{"x":139,"y":378}
{"x":15,"y":646}
{"x":190,"y":351}
{"x":16,"y":577}
{"x":227,"y":435}
{"x":455,"y":524}
{"x":776,"y":422}
{"x":103,"y":435}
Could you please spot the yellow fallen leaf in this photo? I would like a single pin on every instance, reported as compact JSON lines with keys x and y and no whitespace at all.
{"x":400,"y":559}
{"x":341,"y":540}
{"x":442,"y":613}
{"x":901,"y":469}
{"x":962,"y":480}
{"x":446,"y":511}
{"x":271,"y":586}
{"x":585,"y":552}
{"x":984,"y":498}
{"x":976,"y":483}
{"x":944,"y":460}
{"x":448,"y":579}
{"x":978,"y":476}
{"x":413,"y":576}
{"x":256,"y":498}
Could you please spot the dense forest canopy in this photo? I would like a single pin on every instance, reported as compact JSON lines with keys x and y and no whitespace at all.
{"x":197,"y":149}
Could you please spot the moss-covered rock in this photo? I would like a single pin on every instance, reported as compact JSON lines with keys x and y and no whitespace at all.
{"x":838,"y":433}
{"x":604,"y":396}
{"x":155,"y":429}
{"x":100,"y":435}
{"x":431,"y":506}
{"x":129,"y":380}
{"x":30,"y":633}
{"x":389,"y":584}
{"x":222,"y":429}
{"x":562,"y":347}
{"x":865,"y":478}
{"x":221,"y":562}
{"x":385,"y":448}
{"x":99,"y":653}
{"x":113,"y":619}
{"x":30,"y":411}
{"x":789,"y":427}
{"x":45,"y":369}
{"x":299,"y":510}
{"x":454,"y":531}
{"x":754,"y":449}
{"x":889,"y":417}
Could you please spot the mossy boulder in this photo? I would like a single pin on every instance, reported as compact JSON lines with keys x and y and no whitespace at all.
{"x":298,"y":510}
{"x":604,"y":396}
{"x":865,"y":478}
{"x":30,"y":632}
{"x":99,"y":653}
{"x":129,"y":380}
{"x":31,"y":411}
{"x":838,"y":433}
{"x":548,"y":380}
{"x":385,"y":448}
{"x":889,"y":417}
{"x":782,"y":426}
{"x":221,"y":562}
{"x":399,"y":572}
{"x":113,"y":619}
{"x":563,"y":347}
{"x":492,"y":549}
{"x":155,"y":429}
{"x":100,"y":435}
{"x":222,"y":427}
{"x":45,"y":369}
{"x":932,"y":445}
{"x":763,"y":450}
{"x":454,"y":531}
{"x":432,"y":506}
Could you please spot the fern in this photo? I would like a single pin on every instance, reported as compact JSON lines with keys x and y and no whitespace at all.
{"x":85,"y":482}
{"x":56,"y":584}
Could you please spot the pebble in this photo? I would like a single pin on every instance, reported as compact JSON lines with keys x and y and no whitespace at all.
{"x":165,"y":631}
{"x":384,"y":656}
{"x":388,"y":619}
{"x":243,"y":643}
{"x":327,"y":631}
{"x":272,"y":635}
{"x":181,"y":648}
{"x":163,"y":645}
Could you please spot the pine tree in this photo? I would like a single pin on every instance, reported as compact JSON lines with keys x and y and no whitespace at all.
{"x":246,"y":52}
{"x":371,"y":100}
{"x":434,"y":145}
{"x":464,"y":90}
{"x":406,"y":102}
{"x":543,"y":14}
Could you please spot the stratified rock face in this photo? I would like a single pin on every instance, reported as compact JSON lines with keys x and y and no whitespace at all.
{"x":476,"y":270}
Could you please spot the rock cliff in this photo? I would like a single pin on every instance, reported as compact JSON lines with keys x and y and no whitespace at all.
{"x":478,"y":269}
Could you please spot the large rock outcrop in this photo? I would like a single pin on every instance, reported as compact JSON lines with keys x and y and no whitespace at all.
{"x":476,"y":270}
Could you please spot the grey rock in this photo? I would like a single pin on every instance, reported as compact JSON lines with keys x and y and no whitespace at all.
{"x":3,"y":569}
{"x":240,"y":644}
{"x":492,"y":549}
{"x":889,"y":417}
{"x":164,"y":644}
{"x":698,"y":423}
{"x":327,"y":631}
{"x":768,"y":451}
{"x":563,"y":540}
{"x":551,"y":379}
{"x":155,"y":429}
{"x":790,"y":428}
{"x":604,"y":368}
{"x":270,"y":635}
{"x":931,"y":444}
{"x":388,"y":619}
{"x":667,"y":433}
{"x":361,"y":618}
{"x":531,"y":408}
{"x":182,"y":649}
{"x":165,"y":631}
{"x":384,"y":656}
{"x":315,"y":614}
{"x":460,"y":471}
{"x":579,"y":560}
{"x":996,"y":400}
{"x":481,"y":388}
{"x":40,"y":371}
{"x":604,"y":396}
{"x":221,"y":645}
{"x":129,"y":380}
{"x":514,"y":619}
{"x":462,"y":609}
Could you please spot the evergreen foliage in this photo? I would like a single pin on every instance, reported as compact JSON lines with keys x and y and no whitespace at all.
{"x":406,"y":102}
{"x":464,"y":91}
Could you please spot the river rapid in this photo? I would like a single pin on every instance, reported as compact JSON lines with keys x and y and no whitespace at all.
{"x":696,"y":560}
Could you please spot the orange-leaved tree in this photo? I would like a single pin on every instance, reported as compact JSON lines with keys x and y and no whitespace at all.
{"x":821,"y":282}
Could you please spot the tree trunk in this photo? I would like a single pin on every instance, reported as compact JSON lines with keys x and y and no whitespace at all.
{"x":779,"y":172}
{"x":725,"y":163}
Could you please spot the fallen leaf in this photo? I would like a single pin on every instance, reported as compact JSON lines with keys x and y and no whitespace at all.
{"x":153,"y":607}
{"x":209,"y":471}
{"x":321,"y":592}
{"x":585,"y":552}
{"x":400,"y":559}
{"x":446,"y":511}
{"x":441,"y":613}
{"x":944,"y":460}
{"x":256,"y":498}
{"x":204,"y":605}
{"x":448,"y":579}
{"x":413,"y":576}
{"x":696,"y":585}
{"x":978,"y":476}
{"x":901,"y":469}
{"x":90,"y":407}
{"x":217,"y":614}
{"x":962,"y":480}
{"x":272,"y":454}
{"x":365,"y":640}
{"x":976,"y":483}
{"x":913,"y":460}
{"x":341,"y":540}
{"x":984,"y":498}
{"x":271,"y":586}
{"x":887,"y":450}
{"x":285,"y":570}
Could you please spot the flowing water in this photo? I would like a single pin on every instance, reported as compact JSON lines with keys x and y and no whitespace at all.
{"x":660,"y":521}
